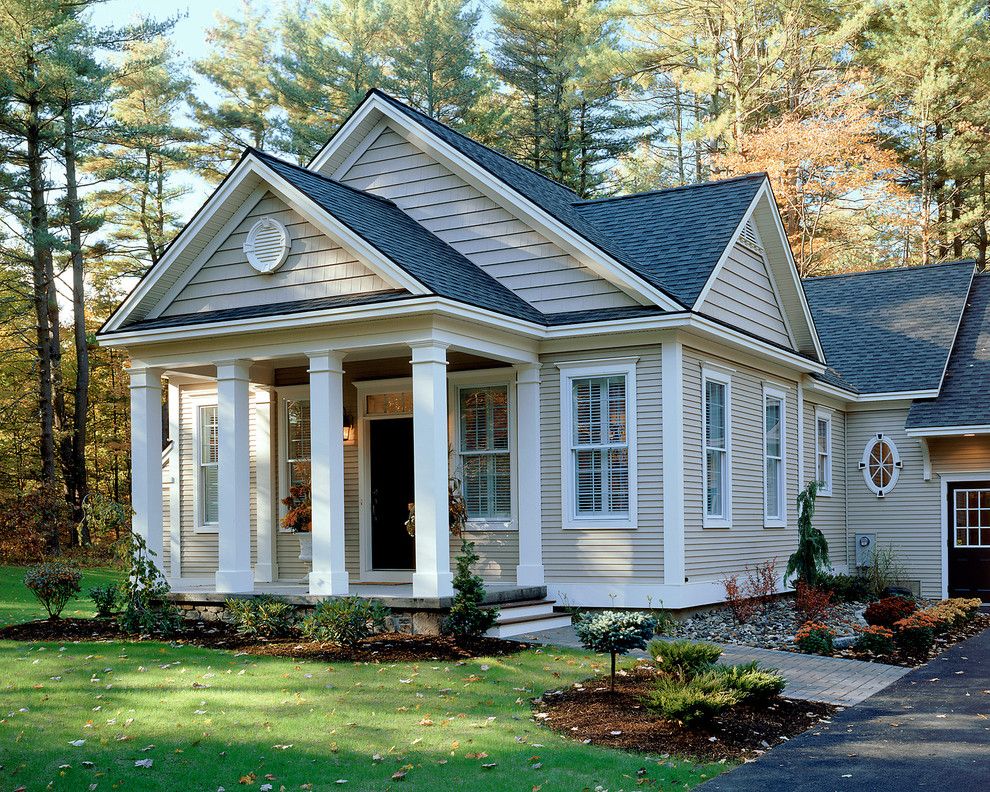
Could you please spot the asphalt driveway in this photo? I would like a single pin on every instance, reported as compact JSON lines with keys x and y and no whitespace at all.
{"x":929,"y":730}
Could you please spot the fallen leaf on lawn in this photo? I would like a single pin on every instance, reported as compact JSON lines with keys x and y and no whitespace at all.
{"x":398,"y":775}
{"x":490,"y":765}
{"x":282,"y":747}
{"x":78,"y":743}
{"x":144,"y":762}
{"x":247,"y":779}
{"x":480,"y":755}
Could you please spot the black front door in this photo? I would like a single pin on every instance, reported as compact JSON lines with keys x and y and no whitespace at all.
{"x":969,"y":539}
{"x":391,"y":468}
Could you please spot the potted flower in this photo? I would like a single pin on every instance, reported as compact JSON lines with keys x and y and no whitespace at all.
{"x":457,"y":511}
{"x":299,"y":518}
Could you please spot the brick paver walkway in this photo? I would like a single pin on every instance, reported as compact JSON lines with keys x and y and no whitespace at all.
{"x":832,"y":680}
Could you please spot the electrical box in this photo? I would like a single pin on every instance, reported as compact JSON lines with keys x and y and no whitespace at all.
{"x":864,"y":549}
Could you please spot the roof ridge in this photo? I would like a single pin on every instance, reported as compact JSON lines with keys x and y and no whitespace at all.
{"x":320,"y":176}
{"x":665,"y":190}
{"x":905,"y":268}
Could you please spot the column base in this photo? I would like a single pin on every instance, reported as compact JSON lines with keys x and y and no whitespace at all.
{"x":329,"y":584}
{"x":428,"y":584}
{"x":529,"y":575}
{"x":234,"y":581}
{"x":264,"y":573}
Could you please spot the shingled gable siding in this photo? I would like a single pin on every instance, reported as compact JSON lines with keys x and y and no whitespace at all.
{"x":315,"y":267}
{"x":604,"y":556}
{"x":713,"y":552}
{"x":485,"y":233}
{"x":743,"y":296}
{"x":909,"y":517}
{"x":830,"y":510}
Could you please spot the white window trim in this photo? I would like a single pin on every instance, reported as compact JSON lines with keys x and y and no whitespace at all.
{"x":458,"y":381}
{"x":826,"y":487}
{"x":198,"y":401}
{"x":775,"y":521}
{"x":285,"y":395}
{"x":580,"y":369}
{"x":723,"y":376}
{"x":864,"y":464}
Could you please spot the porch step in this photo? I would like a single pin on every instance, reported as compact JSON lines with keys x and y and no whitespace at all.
{"x":527,"y":616}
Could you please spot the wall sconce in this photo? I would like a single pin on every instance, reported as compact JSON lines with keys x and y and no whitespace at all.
{"x":349,"y":433}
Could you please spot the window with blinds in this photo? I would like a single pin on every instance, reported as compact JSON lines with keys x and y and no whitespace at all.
{"x":484,"y":450}
{"x":773,"y":499}
{"x":600,"y":448}
{"x":209,"y":454}
{"x":716,"y":435}
{"x":297,"y":451}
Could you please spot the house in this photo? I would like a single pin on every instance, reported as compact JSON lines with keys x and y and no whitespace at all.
{"x":630,"y":391}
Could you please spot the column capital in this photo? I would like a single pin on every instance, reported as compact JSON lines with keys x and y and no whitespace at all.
{"x":234,"y":370}
{"x":326,"y":360}
{"x":145,"y":376}
{"x":429,"y":351}
{"x":527,"y":373}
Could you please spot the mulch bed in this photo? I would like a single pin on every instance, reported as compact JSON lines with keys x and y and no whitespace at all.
{"x":384,"y":648}
{"x":979,"y":623}
{"x":590,"y":713}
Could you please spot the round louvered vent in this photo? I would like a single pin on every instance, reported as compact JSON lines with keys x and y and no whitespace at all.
{"x":267,"y":245}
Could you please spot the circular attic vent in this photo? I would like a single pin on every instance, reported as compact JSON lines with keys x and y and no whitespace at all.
{"x":267,"y":245}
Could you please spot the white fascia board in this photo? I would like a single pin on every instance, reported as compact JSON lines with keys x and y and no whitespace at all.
{"x":596,"y":259}
{"x":948,"y":431}
{"x":869,"y":398}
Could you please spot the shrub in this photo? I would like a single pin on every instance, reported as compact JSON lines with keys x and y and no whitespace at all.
{"x":467,"y":620}
{"x":144,"y":594}
{"x":815,"y":638}
{"x":810,"y":561}
{"x":265,"y":616}
{"x":847,"y":588}
{"x":743,"y":607}
{"x":105,"y":598}
{"x":884,"y":573}
{"x":753,"y":594}
{"x":615,"y":633}
{"x":811,"y":602}
{"x":682,"y":658}
{"x":888,"y":611}
{"x":54,"y":584}
{"x":916,"y":633}
{"x":755,"y":683}
{"x":956,"y":611}
{"x":876,"y":640}
{"x":697,"y":700}
{"x":345,"y":621}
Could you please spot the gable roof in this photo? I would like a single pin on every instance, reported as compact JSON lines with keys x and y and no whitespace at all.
{"x":963,"y":401}
{"x":890,"y":330}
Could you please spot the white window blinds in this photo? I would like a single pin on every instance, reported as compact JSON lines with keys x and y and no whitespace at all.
{"x":484,"y":451}
{"x":716,"y":448}
{"x":600,"y":448}
{"x":773,"y":409}
{"x":209,"y":454}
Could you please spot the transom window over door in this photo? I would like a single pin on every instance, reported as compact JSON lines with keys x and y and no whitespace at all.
{"x":209,"y":455}
{"x":775,"y":469}
{"x":484,"y":451}
{"x":716,"y":394}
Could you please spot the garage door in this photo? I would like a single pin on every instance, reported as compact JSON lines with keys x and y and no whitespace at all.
{"x":969,"y":539}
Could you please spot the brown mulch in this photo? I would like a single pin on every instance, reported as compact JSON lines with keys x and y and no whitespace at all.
{"x":591,"y":713}
{"x":979,"y":623}
{"x":384,"y":648}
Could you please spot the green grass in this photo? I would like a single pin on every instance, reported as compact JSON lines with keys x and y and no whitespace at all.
{"x":17,"y":604}
{"x":208,"y":719}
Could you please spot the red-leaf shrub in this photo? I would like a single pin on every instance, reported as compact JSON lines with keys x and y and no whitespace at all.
{"x":889,"y":611}
{"x":751,"y":596}
{"x":812,"y":603}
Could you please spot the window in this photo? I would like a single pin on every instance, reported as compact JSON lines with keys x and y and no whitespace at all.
{"x":715,"y":408}
{"x":823,"y":452}
{"x":972,"y":518}
{"x":484,"y":451}
{"x":598,"y":438}
{"x":775,"y":471}
{"x":881,"y":465}
{"x":297,"y":449}
{"x":209,"y":452}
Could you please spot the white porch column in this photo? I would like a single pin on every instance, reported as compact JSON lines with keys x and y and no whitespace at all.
{"x":234,"y":574}
{"x":146,"y":458}
{"x":326,"y":412}
{"x":672,"y":395}
{"x":431,"y":467}
{"x":527,"y":478}
{"x":264,"y":567}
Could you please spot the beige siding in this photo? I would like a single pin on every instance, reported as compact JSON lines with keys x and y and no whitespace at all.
{"x":712,"y":552}
{"x":830,"y":510}
{"x":909,"y":517}
{"x":743,"y":296}
{"x":498,"y":551}
{"x":605,"y":555}
{"x":505,"y":247}
{"x":315,"y":267}
{"x":960,"y":455}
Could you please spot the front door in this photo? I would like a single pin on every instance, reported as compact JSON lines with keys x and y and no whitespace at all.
{"x":969,"y":539}
{"x":391,"y":478}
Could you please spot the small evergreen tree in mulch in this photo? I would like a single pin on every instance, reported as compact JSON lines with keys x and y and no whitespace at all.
{"x":809,"y":563}
{"x":467,"y":620}
{"x":615,"y":633}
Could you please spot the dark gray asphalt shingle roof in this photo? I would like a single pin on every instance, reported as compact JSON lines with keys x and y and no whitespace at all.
{"x":889,"y":330}
{"x":965,"y":396}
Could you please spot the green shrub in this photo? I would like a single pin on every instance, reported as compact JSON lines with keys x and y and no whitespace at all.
{"x":265,"y":616}
{"x":345,"y":620}
{"x":144,"y":594}
{"x":876,"y":640}
{"x":810,"y":561}
{"x":889,"y":611}
{"x":814,"y":638}
{"x":105,"y":598}
{"x":697,"y":700}
{"x":615,"y":633}
{"x":754,"y":683}
{"x":467,"y":620}
{"x":54,"y":584}
{"x":847,"y":588}
{"x":682,"y":658}
{"x":916,"y":633}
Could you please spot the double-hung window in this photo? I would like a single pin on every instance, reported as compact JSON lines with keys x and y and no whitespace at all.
{"x":208,"y":455}
{"x":484,"y":451}
{"x":775,"y":469}
{"x":823,"y":452}
{"x":716,"y":397}
{"x":598,"y":436}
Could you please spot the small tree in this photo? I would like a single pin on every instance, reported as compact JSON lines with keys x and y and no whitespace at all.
{"x":810,"y":561}
{"x":144,"y":594}
{"x":615,"y":633}
{"x":467,"y":619}
{"x":54,"y":584}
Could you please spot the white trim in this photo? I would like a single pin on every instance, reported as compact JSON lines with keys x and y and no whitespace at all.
{"x":266,"y":564}
{"x":638,"y":595}
{"x":199,"y":400}
{"x":926,"y":459}
{"x":823,"y":414}
{"x":948,"y":431}
{"x":869,"y":398}
{"x":718,"y":374}
{"x":529,"y":500}
{"x":780,"y":520}
{"x":580,"y":369}
{"x":175,"y":485}
{"x":672,"y":409}
{"x":359,"y":150}
{"x":864,"y":464}
{"x":799,"y":409}
{"x":948,"y":477}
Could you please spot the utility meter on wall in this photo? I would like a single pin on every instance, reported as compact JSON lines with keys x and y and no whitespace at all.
{"x":864,"y":549}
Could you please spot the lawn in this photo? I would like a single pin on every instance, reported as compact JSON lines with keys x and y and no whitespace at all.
{"x":206,"y":719}
{"x":17,"y":604}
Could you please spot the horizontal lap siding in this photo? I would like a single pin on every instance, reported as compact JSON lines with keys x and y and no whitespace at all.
{"x":712,"y":552}
{"x":909,"y":517}
{"x":498,"y":551}
{"x":830,"y":511}
{"x":605,"y":555}
{"x":487,"y":234}
{"x":315,"y":267}
{"x":743,"y":296}
{"x":166,"y":520}
{"x":960,"y":455}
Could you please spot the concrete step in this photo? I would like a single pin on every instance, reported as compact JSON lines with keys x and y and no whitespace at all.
{"x":517,"y":610}
{"x":517,"y":618}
